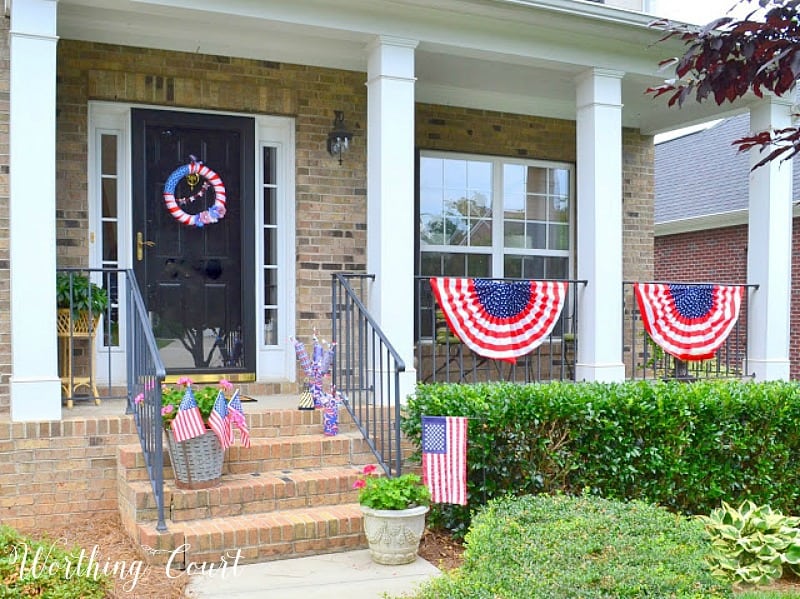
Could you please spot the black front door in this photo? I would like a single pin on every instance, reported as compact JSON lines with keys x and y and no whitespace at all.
{"x":196,"y":275}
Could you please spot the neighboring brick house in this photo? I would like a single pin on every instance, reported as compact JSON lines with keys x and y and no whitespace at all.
{"x":701,"y":213}
{"x":535,"y":109}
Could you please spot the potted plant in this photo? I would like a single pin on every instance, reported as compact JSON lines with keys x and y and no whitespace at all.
{"x":197,"y":461}
{"x":394,"y":514}
{"x":80,"y":304}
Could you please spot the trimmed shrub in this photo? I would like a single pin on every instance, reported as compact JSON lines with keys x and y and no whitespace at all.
{"x":684,"y":446}
{"x":543,"y":547}
{"x":41,"y":568}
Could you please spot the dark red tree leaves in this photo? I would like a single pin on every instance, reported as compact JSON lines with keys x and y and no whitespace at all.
{"x":728,"y":58}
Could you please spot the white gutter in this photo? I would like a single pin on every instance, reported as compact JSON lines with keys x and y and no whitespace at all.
{"x":584,"y":8}
{"x":719,"y":220}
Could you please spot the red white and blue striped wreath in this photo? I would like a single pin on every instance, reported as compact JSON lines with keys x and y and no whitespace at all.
{"x":195,"y":169}
{"x":500,"y":320}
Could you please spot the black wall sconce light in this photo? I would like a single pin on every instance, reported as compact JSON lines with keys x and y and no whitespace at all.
{"x":339,"y":138}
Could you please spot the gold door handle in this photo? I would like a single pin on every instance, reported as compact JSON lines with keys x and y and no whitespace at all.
{"x":140,"y":243}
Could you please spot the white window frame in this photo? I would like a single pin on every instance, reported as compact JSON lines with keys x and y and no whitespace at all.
{"x":497,"y":250}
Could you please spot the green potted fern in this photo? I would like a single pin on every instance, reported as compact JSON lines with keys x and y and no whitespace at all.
{"x":80,"y":304}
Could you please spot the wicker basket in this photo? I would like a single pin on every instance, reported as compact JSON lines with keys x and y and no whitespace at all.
{"x":77,"y":325}
{"x":197,"y":462}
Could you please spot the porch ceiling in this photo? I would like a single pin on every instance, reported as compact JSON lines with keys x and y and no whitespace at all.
{"x":517,"y":56}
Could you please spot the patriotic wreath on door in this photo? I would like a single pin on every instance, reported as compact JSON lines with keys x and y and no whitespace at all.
{"x":497,"y":319}
{"x":689,"y":322}
{"x":193,"y":172}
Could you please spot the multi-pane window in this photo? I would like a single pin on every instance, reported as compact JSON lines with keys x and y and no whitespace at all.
{"x":494,"y":217}
{"x":270,"y":249}
{"x":109,"y":218}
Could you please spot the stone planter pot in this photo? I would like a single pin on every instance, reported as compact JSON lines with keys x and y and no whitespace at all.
{"x":394,"y":535}
{"x":197,"y":463}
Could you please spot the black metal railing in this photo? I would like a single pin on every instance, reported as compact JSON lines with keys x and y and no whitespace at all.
{"x":366,"y":370}
{"x":646,"y":360}
{"x":91,"y":305}
{"x":146,"y":374}
{"x":441,"y":357}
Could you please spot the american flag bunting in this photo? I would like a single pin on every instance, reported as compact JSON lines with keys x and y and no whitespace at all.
{"x":500,"y":320}
{"x":689,"y":322}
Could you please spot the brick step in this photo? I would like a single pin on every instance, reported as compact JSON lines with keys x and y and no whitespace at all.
{"x":259,"y":537}
{"x":291,"y":422}
{"x":265,"y":455}
{"x":240,"y":494}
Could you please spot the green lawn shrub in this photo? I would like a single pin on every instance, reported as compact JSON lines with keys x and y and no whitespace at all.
{"x":559,"y":547}
{"x":45,"y":568}
{"x":683,"y":446}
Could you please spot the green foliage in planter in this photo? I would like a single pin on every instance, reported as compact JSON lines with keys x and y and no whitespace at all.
{"x":684,"y":446}
{"x":559,"y":547}
{"x":76,"y":291}
{"x":751,"y":544}
{"x":384,"y":493}
{"x":54,"y":576}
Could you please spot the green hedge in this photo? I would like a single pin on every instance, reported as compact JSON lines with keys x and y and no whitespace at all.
{"x":684,"y":446}
{"x":542,"y":547}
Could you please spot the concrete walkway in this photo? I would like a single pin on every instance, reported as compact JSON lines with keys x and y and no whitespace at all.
{"x":349,"y":575}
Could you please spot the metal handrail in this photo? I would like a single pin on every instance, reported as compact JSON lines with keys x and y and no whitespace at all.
{"x":366,"y":372}
{"x":146,"y":373}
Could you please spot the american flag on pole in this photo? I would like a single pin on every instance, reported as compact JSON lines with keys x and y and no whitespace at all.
{"x":188,"y":423}
{"x":689,"y":322}
{"x":500,"y":320}
{"x":236,"y":418}
{"x":218,"y":421}
{"x":444,"y":458}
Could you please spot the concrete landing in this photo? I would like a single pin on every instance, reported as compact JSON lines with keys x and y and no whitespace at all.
{"x":349,"y":575}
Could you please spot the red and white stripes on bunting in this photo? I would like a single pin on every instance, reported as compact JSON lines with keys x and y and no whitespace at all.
{"x":689,"y":322}
{"x":497,"y":319}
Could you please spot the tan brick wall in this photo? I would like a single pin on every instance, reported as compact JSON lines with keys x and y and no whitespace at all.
{"x":49,"y":469}
{"x":638,"y":201}
{"x":5,"y":275}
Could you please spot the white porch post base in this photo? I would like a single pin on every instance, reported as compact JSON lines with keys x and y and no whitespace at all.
{"x":35,"y":399}
{"x":408,"y":384}
{"x":769,"y":370}
{"x":601,"y":373}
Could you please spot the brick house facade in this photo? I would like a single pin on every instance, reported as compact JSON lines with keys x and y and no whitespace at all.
{"x":505,"y":96}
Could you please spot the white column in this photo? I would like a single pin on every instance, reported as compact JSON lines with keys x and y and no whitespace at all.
{"x":599,"y":225}
{"x":769,"y":250}
{"x":35,"y":386}
{"x":390,"y":194}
